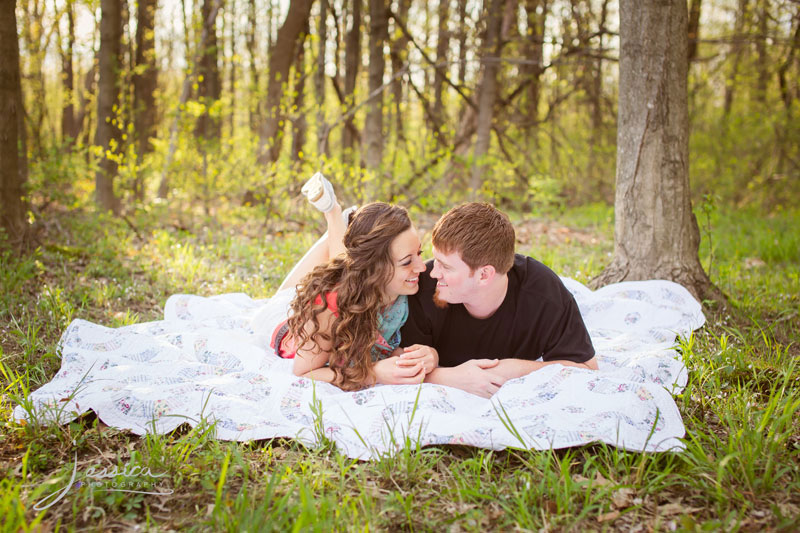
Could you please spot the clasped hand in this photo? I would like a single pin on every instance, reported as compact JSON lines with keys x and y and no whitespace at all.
{"x":476,"y":376}
{"x":408,"y":365}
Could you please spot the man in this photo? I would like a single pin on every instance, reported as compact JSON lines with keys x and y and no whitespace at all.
{"x":479,"y":299}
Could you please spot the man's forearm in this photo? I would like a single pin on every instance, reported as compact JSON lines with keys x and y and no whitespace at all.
{"x":440,"y":376}
{"x":515,"y":368}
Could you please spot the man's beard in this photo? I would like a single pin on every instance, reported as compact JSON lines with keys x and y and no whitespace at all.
{"x":438,"y":302}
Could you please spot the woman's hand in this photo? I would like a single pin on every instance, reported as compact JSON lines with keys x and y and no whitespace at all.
{"x":389,"y":372}
{"x":419,"y":353}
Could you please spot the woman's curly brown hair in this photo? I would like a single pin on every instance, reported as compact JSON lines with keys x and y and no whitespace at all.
{"x":359,"y":278}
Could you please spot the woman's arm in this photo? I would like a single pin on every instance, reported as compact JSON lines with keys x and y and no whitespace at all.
{"x":406,"y":366}
{"x":311,"y":358}
{"x":419,"y":353}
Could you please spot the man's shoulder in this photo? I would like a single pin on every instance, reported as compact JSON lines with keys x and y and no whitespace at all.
{"x":535,"y":282}
{"x":529,"y":271}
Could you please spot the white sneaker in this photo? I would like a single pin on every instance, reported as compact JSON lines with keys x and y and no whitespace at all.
{"x":319,"y":192}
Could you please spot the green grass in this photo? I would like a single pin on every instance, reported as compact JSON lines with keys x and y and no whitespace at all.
{"x":740,"y":472}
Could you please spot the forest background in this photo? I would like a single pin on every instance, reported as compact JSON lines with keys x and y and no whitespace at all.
{"x":161,"y":147}
{"x":219,"y":103}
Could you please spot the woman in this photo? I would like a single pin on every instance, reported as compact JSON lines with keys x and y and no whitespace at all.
{"x":348,"y":298}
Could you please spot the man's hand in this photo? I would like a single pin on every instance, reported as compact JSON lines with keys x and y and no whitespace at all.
{"x":476,"y":376}
{"x":389,"y":372}
{"x":419,"y":353}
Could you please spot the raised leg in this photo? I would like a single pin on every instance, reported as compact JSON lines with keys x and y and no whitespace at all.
{"x":316,"y":255}
{"x":328,"y":246}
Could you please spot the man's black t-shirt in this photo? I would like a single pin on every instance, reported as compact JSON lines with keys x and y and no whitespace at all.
{"x":537,"y":319}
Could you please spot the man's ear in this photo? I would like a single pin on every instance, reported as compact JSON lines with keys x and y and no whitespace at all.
{"x":486,"y":274}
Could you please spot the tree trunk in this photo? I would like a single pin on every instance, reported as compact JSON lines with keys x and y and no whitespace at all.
{"x":594,"y":170}
{"x":319,"y":76}
{"x":299,"y":123}
{"x":534,"y":51}
{"x":186,"y":89}
{"x":69,"y":130}
{"x":762,"y":66}
{"x":694,"y":28}
{"x":145,"y":81}
{"x":462,"y":41}
{"x":352,"y":64}
{"x":399,"y":55}
{"x":786,"y":94}
{"x":35,"y":33}
{"x":280,"y":62}
{"x":254,"y":110}
{"x":442,"y":48}
{"x":83,"y":119}
{"x":12,"y":205}
{"x":730,"y":84}
{"x":487,"y":93}
{"x":232,"y":73}
{"x":209,"y":84}
{"x":107,"y":136}
{"x":373,"y":125}
{"x":655,"y":233}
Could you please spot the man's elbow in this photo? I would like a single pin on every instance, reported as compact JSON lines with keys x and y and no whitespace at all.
{"x":591,"y":364}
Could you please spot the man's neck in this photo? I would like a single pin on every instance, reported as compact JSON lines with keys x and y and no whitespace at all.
{"x":487,"y":302}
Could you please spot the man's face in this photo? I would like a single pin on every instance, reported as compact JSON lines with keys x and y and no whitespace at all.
{"x":455,"y":283}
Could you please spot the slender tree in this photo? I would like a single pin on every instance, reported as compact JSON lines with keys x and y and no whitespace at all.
{"x":462,"y":41}
{"x":487,"y":91}
{"x":762,"y":62}
{"x":83,"y":118}
{"x":655,"y":232}
{"x":352,"y":62}
{"x":107,"y":135}
{"x":399,"y":58}
{"x":737,"y":49}
{"x":209,"y":83}
{"x":299,"y":122}
{"x":254,"y":111}
{"x":69,"y":130}
{"x":36,"y":34}
{"x":12,"y":165}
{"x":186,"y":89}
{"x":281,"y":58}
{"x":232,"y":70}
{"x":442,"y":54}
{"x":319,"y":75}
{"x":145,"y":81}
{"x":694,"y":28}
{"x":373,"y":125}
{"x":536,"y":14}
{"x":787,"y":95}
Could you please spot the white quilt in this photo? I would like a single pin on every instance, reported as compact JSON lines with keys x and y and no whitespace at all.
{"x":205,"y":361}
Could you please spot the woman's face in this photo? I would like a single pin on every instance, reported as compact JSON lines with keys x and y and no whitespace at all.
{"x":406,"y":252}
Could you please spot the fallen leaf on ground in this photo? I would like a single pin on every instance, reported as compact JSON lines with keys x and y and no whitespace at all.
{"x":676,"y":508}
{"x":600,"y":480}
{"x":622,"y":498}
{"x":605,"y":517}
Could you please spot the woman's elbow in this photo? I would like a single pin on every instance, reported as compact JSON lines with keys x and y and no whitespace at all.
{"x":300,"y":367}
